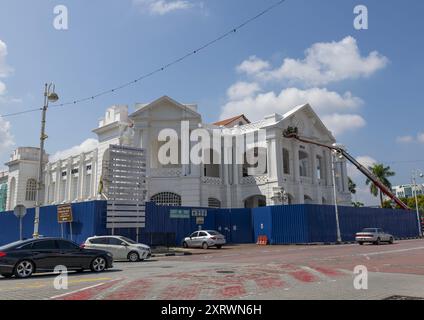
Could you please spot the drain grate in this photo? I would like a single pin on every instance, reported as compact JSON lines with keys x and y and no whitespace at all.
{"x":225,"y":271}
{"x":403,"y":298}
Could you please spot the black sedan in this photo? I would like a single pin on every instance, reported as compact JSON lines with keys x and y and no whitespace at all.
{"x":23,"y":258}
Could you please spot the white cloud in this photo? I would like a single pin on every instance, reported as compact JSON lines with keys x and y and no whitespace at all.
{"x":324,"y":62}
{"x":2,"y":88}
{"x":323,"y":101}
{"x":253,"y":65}
{"x":162,"y":7}
{"x":86,"y":146}
{"x":411,"y":139}
{"x":6,"y":138}
{"x":405,"y":139}
{"x":340,"y":123}
{"x":5,"y":70}
{"x":242,"y":90}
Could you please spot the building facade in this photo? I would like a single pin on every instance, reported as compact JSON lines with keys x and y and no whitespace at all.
{"x":296,"y":173}
{"x":408,"y":190}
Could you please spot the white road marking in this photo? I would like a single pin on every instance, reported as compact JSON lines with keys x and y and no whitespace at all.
{"x":391,"y":251}
{"x":83,"y":289}
{"x":76,"y":291}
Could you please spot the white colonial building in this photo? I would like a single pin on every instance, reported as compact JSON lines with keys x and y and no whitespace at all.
{"x":300,"y":172}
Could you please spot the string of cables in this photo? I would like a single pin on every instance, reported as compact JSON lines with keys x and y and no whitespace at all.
{"x":161,"y":68}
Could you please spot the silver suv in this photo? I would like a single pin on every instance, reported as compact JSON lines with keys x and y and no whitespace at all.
{"x":373,"y":235}
{"x":204,"y":239}
{"x":120,"y":247}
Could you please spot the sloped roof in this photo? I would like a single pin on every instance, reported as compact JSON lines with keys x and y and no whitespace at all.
{"x":226,"y":122}
{"x":161,"y":100}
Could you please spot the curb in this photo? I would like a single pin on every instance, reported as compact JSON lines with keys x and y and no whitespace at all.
{"x":173,"y":254}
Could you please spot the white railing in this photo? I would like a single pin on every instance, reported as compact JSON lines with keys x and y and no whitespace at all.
{"x":211,"y":180}
{"x":166,"y":172}
{"x":254,"y":180}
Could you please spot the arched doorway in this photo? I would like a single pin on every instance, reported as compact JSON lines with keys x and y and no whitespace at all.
{"x":308,"y":199}
{"x":255,"y":201}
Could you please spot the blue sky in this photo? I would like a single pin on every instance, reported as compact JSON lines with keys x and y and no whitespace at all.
{"x":371,"y":96}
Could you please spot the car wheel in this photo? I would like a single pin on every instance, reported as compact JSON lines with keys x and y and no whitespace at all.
{"x":98,"y":264}
{"x":7,"y":275}
{"x":391,"y":241}
{"x":361,"y":243}
{"x":378,"y":242}
{"x":185,"y":245}
{"x":24,"y":269}
{"x":133,"y":257}
{"x":205,"y":245}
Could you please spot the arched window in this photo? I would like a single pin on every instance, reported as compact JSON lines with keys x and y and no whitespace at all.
{"x":320,"y":168}
{"x":31,"y":189}
{"x":167,"y":199}
{"x":303,"y":164}
{"x":286,"y":161}
{"x":214,"y":203}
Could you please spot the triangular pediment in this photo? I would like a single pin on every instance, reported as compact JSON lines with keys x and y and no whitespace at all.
{"x":308,"y":123}
{"x":166,"y":108}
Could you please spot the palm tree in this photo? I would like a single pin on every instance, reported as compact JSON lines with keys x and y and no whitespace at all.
{"x":352,"y":186}
{"x":382,"y":173}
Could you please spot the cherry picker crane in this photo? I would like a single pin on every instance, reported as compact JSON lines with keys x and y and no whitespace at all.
{"x":292,"y":133}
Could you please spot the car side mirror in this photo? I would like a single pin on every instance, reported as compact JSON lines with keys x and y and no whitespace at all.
{"x":124,"y":244}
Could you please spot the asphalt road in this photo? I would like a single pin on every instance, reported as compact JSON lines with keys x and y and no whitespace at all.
{"x":245,"y":272}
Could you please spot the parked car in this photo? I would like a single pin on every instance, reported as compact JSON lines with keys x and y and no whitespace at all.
{"x":373,"y":235}
{"x":120,"y":247}
{"x":204,"y":239}
{"x":24,"y":258}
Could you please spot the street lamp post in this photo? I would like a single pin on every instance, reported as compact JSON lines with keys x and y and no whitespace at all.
{"x":49,"y":96}
{"x":416,"y":173}
{"x":336,"y":207}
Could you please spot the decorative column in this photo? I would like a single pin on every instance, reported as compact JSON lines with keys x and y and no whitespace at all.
{"x":68,"y":180}
{"x":81,"y":177}
{"x":279,"y":160}
{"x":58,"y":181}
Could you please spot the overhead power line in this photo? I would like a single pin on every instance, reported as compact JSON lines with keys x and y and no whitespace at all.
{"x":160,"y":69}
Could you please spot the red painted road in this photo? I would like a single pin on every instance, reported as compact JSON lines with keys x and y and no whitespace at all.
{"x":250,"y":270}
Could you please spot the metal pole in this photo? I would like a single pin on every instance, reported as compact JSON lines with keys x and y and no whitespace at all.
{"x":40,"y":164}
{"x":70,"y":229}
{"x":20,"y":228}
{"x":333,"y":169}
{"x":414,"y":181}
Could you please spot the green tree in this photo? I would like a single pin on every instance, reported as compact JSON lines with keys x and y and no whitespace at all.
{"x":382,"y":173}
{"x":352,"y":186}
{"x":357,"y":204}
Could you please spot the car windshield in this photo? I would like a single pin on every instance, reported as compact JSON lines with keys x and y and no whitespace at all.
{"x":128,"y":240}
{"x":12,"y":245}
{"x":369,"y":230}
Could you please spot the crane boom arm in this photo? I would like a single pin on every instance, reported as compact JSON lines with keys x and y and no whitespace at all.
{"x":292,"y":133}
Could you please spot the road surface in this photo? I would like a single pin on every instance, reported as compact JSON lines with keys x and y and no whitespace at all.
{"x":245,"y":272}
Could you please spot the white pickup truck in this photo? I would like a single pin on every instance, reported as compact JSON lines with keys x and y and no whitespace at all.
{"x":373,"y":235}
